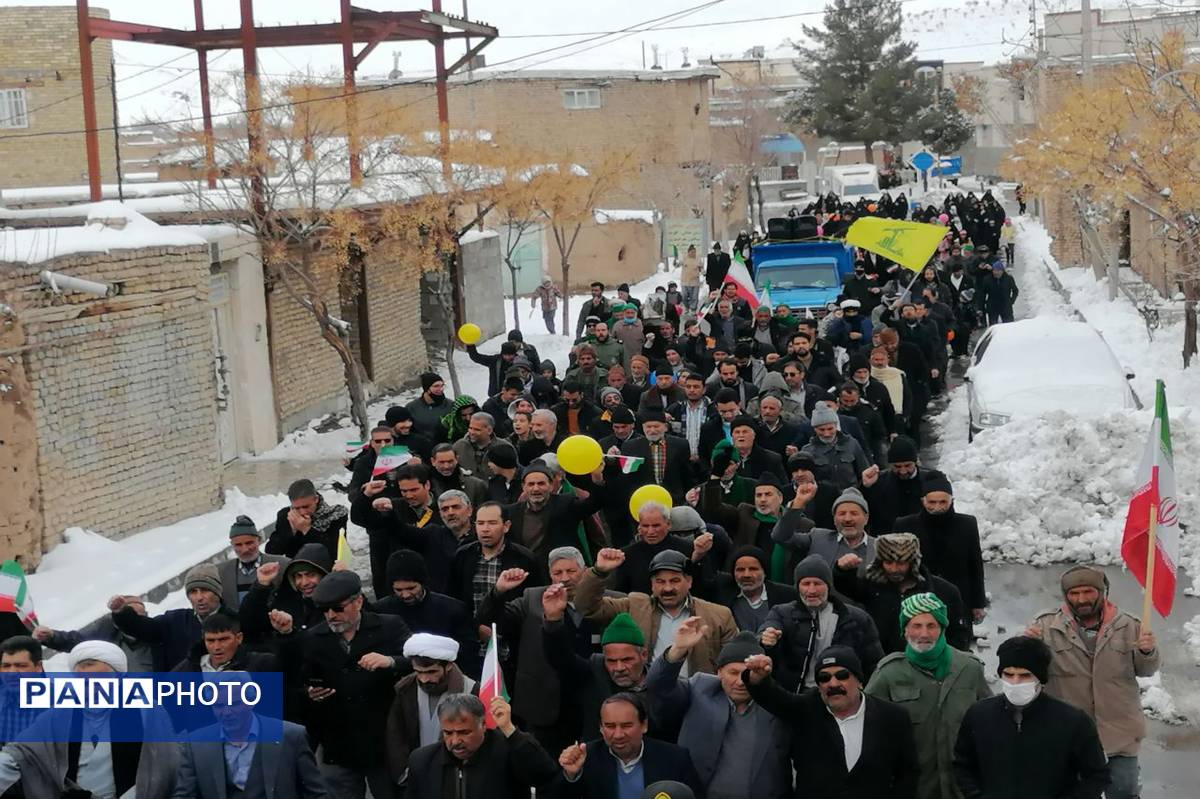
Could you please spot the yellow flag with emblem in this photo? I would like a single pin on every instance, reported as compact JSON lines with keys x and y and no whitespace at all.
{"x":343,"y":553}
{"x":910,"y":244}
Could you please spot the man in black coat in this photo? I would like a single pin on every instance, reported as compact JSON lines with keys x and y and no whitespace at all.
{"x":307,"y":517}
{"x":576,"y":413}
{"x":548,"y":706}
{"x":478,"y":563}
{"x":668,"y":459}
{"x":350,"y":666}
{"x":897,"y":492}
{"x":895,"y":574}
{"x":545,"y":520}
{"x":426,"y":611}
{"x":221,"y":649}
{"x":747,"y":592}
{"x":276,"y":609}
{"x":403,"y":515}
{"x":500,"y":763}
{"x":1025,"y":743}
{"x":949,"y":543}
{"x":176,"y":632}
{"x":997,"y":293}
{"x":591,"y":771}
{"x":496,"y":365}
{"x":755,"y":459}
{"x":716,"y":267}
{"x":826,"y":719}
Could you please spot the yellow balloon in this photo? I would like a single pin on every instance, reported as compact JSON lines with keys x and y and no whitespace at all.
{"x":580,"y":455}
{"x":470,"y":333}
{"x":651,"y":492}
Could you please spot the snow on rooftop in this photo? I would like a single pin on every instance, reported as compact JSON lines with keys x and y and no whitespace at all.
{"x":474,"y":235}
{"x":605,"y":215}
{"x":110,"y":226}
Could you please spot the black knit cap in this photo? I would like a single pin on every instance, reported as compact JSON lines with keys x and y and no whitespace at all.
{"x":405,"y":564}
{"x":842,"y":656}
{"x":652,"y":415}
{"x":743,"y":421}
{"x":428,"y":379}
{"x":751,"y":551}
{"x":740,"y":647}
{"x":902,"y":450}
{"x":621,"y":415}
{"x":397,"y":414}
{"x":243,"y":525}
{"x":1025,"y":652}
{"x":936,"y":482}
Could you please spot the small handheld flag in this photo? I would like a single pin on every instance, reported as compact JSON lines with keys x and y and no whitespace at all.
{"x":390,"y":458}
{"x":628,"y":463}
{"x":491,"y":681}
{"x":14,"y":593}
{"x":343,"y":553}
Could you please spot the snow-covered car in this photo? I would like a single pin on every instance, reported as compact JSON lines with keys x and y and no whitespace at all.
{"x":1031,"y":366}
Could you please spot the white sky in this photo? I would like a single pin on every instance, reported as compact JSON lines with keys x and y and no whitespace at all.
{"x":966,"y":30}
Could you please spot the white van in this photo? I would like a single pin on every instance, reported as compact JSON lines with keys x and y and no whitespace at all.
{"x":853,"y":182}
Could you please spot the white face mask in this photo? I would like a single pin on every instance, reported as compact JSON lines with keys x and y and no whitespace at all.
{"x":1022,"y":693}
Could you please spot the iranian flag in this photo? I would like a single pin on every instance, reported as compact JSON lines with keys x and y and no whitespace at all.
{"x":14,"y":593}
{"x":739,"y":275}
{"x":491,"y":682}
{"x":1153,"y":518}
{"x":354,"y":447}
{"x":390,"y":458}
{"x":628,"y":463}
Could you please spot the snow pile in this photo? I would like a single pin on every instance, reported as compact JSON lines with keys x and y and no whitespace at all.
{"x":1157,"y":703}
{"x":1055,"y":488}
{"x":77,"y":577}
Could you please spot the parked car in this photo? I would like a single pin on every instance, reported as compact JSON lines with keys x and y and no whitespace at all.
{"x":1031,"y":366}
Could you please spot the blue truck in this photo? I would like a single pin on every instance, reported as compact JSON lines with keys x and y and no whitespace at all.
{"x":802,"y":274}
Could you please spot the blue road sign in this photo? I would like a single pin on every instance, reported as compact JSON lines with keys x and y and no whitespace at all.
{"x":922,"y":161}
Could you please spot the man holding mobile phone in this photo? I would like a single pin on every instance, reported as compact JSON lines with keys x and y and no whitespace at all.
{"x":351,"y":663}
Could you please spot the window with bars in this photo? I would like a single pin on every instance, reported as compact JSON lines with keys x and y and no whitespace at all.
{"x":574,"y":99}
{"x":12,"y":109}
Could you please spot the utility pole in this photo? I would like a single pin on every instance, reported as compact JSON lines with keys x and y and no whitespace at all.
{"x":1085,"y":39}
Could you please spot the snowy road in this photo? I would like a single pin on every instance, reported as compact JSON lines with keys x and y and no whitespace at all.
{"x":1018,"y":591}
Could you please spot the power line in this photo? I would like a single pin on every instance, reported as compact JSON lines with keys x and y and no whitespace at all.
{"x":635,"y":28}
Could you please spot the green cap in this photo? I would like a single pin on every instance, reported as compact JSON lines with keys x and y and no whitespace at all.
{"x":623,"y":630}
{"x":916,"y":604}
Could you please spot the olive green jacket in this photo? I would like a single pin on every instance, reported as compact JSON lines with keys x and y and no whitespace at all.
{"x":936,"y":710}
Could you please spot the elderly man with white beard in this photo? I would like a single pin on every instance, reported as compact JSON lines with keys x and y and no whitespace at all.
{"x":936,"y":684}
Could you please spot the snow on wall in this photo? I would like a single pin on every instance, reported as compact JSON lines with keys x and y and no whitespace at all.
{"x":605,"y":215}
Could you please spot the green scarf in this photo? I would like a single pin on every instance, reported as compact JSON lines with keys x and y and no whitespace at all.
{"x":779,"y":554}
{"x":936,"y":661}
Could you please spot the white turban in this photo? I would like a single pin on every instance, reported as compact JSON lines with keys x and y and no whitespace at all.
{"x":102,"y":651}
{"x":434,"y":647}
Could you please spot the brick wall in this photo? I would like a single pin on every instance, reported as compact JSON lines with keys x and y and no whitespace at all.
{"x":394,"y":308}
{"x":664,"y":123}
{"x":308,"y":374}
{"x":39,"y":51}
{"x":123,"y":390}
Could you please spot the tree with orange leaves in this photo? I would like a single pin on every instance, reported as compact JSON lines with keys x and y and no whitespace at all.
{"x":1129,"y":138}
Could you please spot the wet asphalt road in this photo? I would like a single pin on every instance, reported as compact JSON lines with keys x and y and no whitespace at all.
{"x":1018,"y":592}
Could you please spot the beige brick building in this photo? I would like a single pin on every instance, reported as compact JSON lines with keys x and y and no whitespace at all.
{"x":41,"y":93}
{"x":107,"y":419}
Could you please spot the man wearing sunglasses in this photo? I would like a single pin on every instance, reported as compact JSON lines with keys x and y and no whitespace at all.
{"x":351,"y":663}
{"x":844,"y":743}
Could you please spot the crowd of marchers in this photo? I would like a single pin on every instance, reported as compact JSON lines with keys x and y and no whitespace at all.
{"x":797,"y":621}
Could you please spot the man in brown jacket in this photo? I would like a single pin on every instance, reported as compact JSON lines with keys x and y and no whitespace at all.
{"x":413,"y":720}
{"x":659,"y":614}
{"x":1099,"y":652}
